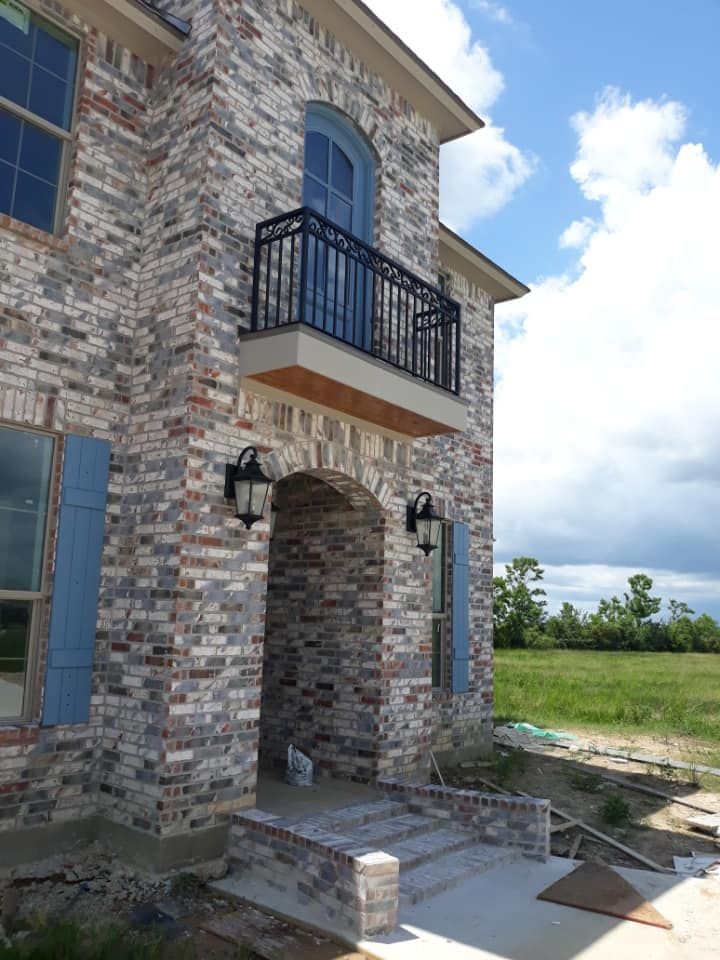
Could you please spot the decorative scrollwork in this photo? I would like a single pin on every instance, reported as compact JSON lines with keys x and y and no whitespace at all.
{"x":422,"y":338}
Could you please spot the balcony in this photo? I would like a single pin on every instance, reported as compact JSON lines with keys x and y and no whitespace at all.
{"x":343,"y":329}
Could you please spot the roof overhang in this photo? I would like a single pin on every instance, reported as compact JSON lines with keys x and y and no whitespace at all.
{"x":134,"y":24}
{"x":463,"y":258}
{"x":358,"y":29}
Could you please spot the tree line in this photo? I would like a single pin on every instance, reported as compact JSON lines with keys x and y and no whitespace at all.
{"x":635,"y":622}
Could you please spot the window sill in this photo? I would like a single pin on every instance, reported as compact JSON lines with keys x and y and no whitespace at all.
{"x":33,"y":234}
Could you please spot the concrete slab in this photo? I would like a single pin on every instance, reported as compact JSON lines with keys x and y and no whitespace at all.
{"x":276,"y":796}
{"x":496,"y":916}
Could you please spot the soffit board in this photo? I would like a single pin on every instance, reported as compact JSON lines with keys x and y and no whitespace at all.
{"x":458,"y":255}
{"x":132,"y":24}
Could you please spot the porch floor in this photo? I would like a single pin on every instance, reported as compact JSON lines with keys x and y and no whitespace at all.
{"x":276,"y":796}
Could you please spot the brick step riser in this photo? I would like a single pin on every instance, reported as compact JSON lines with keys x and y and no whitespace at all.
{"x":397,"y":837}
{"x":346,"y":824}
{"x":419,"y":859}
{"x":449,"y":883}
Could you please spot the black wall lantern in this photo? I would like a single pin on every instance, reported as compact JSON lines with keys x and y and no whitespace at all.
{"x":248,"y":486}
{"x":425,"y":522}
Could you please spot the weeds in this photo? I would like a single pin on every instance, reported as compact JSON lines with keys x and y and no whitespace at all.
{"x":615,"y":811}
{"x":66,"y":940}
{"x":508,"y":764}
{"x":587,"y":782}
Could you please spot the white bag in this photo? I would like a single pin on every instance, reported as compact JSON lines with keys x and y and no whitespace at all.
{"x":299,"y":769}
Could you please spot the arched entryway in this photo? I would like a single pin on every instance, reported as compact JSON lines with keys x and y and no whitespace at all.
{"x":322,"y":663}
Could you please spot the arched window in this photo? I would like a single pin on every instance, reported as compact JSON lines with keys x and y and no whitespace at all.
{"x":339,"y":176}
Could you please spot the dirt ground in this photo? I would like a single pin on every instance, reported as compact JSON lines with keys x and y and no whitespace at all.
{"x":573,"y":781}
{"x":94,"y":889}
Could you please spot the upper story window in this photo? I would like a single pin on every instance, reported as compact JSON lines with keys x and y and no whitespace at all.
{"x":38,"y":70}
{"x":339,"y":171}
{"x":25,"y":472}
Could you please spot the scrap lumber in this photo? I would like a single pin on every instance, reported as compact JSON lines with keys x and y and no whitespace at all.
{"x":618,"y":754}
{"x":575,"y":847}
{"x":641,"y":788}
{"x":706,"y":824}
{"x":562,"y":827}
{"x":586,"y":828}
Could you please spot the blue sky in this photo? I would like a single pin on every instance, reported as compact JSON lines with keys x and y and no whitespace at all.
{"x":597,"y":182}
{"x":556,"y":56}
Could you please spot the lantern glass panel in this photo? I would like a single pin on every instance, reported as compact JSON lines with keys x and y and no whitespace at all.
{"x":258,"y":495}
{"x":242,"y":497}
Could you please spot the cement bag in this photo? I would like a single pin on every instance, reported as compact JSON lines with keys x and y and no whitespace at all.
{"x":299,"y":769}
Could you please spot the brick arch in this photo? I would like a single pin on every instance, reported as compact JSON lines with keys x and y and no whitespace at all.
{"x":355,"y":477}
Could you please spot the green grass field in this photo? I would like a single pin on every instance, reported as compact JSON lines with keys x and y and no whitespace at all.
{"x":627,"y":693}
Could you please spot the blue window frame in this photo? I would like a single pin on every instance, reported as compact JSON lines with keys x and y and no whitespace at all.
{"x":339,"y":183}
{"x":38,"y":71}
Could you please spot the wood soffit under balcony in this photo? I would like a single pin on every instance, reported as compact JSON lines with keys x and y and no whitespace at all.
{"x":307,"y":368}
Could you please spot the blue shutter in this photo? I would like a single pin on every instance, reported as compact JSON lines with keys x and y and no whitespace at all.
{"x":460,"y":608}
{"x":73,"y":617}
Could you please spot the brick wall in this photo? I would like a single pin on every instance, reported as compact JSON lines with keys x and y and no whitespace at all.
{"x":125,"y":327}
{"x":519,"y":822}
{"x":323,"y":634}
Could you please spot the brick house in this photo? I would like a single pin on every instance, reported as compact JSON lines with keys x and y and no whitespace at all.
{"x":218,"y":231}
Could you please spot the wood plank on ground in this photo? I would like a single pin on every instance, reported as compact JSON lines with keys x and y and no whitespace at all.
{"x":272,"y":938}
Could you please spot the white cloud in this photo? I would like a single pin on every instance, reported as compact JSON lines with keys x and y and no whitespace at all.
{"x":494,"y":11}
{"x":608,"y":400}
{"x":480,"y":172}
{"x":577,"y":234}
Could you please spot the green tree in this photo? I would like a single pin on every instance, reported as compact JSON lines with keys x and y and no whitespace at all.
{"x":678,"y":609}
{"x":568,"y":627}
{"x":638,"y":603}
{"x":518,"y":605}
{"x":706,"y":634}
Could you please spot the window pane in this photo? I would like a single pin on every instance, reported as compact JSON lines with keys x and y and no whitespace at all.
{"x":14,"y":76}
{"x":342,"y":171}
{"x":7,"y":183}
{"x":13,"y":37}
{"x":34,"y":202}
{"x":438,"y":574}
{"x":314,"y":195}
{"x":25,"y":462}
{"x":316,"y":155}
{"x":15,"y":619}
{"x":50,"y":98}
{"x":340,"y":212}
{"x":9,"y":136}
{"x":54,"y":53}
{"x":40,"y":153}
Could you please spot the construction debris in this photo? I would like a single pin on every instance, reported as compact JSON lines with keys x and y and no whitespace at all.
{"x":706,"y":824}
{"x":698,"y":866}
{"x":600,"y":889}
{"x":509,"y":735}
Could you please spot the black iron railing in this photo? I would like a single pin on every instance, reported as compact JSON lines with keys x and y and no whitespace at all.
{"x":309,"y":270}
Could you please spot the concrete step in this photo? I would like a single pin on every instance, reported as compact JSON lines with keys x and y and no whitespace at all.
{"x":428,"y":847}
{"x":445,"y":872}
{"x":382,"y":833}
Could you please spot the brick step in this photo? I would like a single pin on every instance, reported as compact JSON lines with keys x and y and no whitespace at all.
{"x":357,"y":815}
{"x":446,"y":872}
{"x":381,"y":833}
{"x":429,"y":847}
